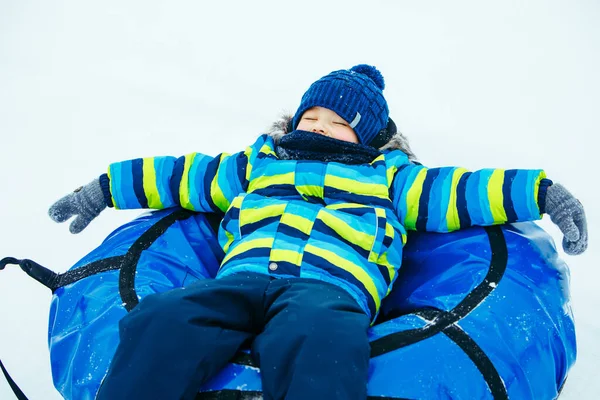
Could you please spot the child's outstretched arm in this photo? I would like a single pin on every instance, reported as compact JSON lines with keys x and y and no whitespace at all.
{"x":450,"y":198}
{"x":195,"y":182}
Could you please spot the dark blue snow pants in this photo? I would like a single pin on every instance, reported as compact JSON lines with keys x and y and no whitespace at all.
{"x":309,"y":337}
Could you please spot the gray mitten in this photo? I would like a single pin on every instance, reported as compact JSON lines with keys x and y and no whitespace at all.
{"x":567,"y":213}
{"x":86,"y":202}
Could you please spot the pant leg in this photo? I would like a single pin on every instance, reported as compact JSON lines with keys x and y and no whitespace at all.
{"x":314,"y":345}
{"x":174,"y":341}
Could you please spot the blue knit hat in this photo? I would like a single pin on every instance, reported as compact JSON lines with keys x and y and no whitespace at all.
{"x":355,"y":95}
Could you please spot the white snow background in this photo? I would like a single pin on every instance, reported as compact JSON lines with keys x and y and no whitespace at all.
{"x":508,"y":84}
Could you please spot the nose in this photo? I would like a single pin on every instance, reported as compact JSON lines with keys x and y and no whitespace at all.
{"x":318,"y":128}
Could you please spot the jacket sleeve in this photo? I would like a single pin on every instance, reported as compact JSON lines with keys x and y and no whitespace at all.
{"x":195,"y":182}
{"x":450,"y":198}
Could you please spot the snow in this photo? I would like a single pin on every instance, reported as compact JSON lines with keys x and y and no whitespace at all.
{"x":478,"y":84}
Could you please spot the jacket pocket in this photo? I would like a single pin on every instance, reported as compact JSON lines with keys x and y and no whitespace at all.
{"x":230,"y":224}
{"x":379,"y":233}
{"x":259,"y":213}
{"x":349,"y":227}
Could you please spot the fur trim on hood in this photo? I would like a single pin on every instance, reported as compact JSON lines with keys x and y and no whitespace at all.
{"x":397,"y":142}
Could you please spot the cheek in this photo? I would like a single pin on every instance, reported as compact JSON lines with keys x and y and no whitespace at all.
{"x":303,"y":126}
{"x":347,"y":135}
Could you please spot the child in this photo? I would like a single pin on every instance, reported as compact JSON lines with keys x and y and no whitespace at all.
{"x":314,"y":222}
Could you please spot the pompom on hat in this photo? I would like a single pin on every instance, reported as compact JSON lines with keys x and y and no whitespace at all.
{"x":356,"y":95}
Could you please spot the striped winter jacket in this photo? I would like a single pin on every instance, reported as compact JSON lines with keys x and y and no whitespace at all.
{"x":344,"y":224}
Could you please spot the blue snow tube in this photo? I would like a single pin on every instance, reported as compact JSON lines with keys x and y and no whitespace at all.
{"x":480,"y":313}
{"x":153,"y":253}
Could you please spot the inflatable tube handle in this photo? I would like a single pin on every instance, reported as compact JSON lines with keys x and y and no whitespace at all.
{"x":41,"y":274}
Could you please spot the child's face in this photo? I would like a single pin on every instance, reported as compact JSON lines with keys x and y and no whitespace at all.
{"x":326,"y":122}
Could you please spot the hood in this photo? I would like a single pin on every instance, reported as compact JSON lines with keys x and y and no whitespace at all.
{"x":397,"y":142}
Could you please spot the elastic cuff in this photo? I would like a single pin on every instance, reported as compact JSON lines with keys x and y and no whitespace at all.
{"x":544,"y":185}
{"x":105,"y":185}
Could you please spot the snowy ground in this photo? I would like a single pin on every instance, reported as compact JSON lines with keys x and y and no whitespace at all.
{"x":477,"y":84}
